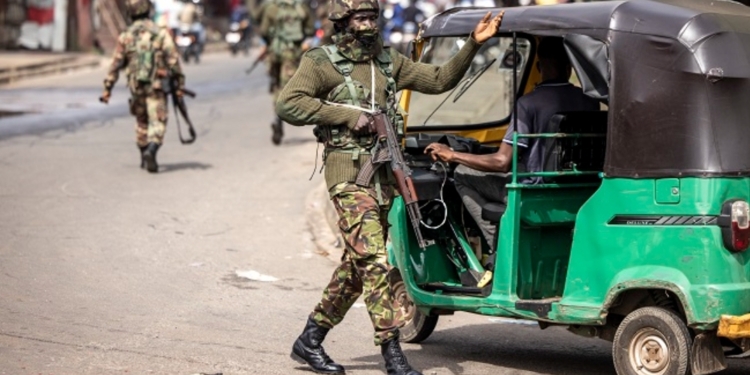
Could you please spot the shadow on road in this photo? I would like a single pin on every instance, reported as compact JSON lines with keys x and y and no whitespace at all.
{"x":164,"y":168}
{"x":517,"y":348}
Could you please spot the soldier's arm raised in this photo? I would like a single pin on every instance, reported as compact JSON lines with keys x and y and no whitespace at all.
{"x":432,"y":79}
{"x":299,"y":103}
{"x":435,"y":80}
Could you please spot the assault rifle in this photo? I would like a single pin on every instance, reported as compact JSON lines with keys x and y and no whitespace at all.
{"x":388,"y":150}
{"x":257,"y":61}
{"x":178,"y":103}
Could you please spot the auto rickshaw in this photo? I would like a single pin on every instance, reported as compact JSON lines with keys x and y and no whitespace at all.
{"x":639,"y":233}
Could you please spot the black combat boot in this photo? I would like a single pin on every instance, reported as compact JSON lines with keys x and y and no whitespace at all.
{"x":395,"y":360}
{"x":278,"y":131}
{"x":149,"y":157}
{"x":143,"y":161}
{"x":307,"y":350}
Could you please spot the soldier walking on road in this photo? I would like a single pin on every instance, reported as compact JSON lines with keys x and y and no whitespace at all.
{"x":285,"y":26}
{"x":150,"y":56}
{"x":335,"y":87}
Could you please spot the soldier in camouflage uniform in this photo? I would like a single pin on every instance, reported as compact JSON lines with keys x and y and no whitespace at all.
{"x":325,"y":24}
{"x":150,"y":56}
{"x":285,"y":26}
{"x":336,"y":88}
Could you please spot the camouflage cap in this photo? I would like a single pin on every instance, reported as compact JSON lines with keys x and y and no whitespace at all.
{"x":341,"y":9}
{"x":138,"y":7}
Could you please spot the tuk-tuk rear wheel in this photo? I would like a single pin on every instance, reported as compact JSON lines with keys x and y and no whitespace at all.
{"x":652,"y":341}
{"x":417,"y":326}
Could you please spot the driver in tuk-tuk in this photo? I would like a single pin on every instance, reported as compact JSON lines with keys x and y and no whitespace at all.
{"x":480,"y":179}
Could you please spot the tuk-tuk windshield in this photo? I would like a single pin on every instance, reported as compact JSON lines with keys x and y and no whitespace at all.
{"x":484,"y":95}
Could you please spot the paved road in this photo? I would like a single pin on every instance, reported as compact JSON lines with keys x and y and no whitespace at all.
{"x":205,"y":267}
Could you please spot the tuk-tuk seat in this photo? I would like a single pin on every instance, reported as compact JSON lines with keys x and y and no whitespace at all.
{"x":585,"y":153}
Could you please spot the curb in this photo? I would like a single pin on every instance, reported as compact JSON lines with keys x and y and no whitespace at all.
{"x":321,"y":221}
{"x":72,"y":63}
{"x":64,"y":64}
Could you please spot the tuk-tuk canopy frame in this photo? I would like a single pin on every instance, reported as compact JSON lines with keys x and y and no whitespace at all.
{"x":676,"y":74}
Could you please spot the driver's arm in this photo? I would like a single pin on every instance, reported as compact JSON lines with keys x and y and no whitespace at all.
{"x":499,"y":161}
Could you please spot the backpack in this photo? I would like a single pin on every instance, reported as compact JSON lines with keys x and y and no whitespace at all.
{"x":289,"y":24}
{"x":144,"y":43}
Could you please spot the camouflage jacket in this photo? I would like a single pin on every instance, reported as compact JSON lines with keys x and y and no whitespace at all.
{"x":303,"y":100}
{"x":166,"y":58}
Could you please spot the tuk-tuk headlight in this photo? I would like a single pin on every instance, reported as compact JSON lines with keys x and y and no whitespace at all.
{"x":735,"y":224}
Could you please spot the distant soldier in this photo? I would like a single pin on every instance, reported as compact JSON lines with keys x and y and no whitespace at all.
{"x":150,"y":56}
{"x":336,"y":87}
{"x":285,"y":26}
{"x":325,"y":24}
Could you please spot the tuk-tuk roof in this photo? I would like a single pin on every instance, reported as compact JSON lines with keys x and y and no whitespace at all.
{"x":665,"y":18}
{"x":676,"y":74}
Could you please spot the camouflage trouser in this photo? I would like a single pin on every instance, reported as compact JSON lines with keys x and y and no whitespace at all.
{"x":364,"y":266}
{"x":282,"y":67}
{"x":150,"y":111}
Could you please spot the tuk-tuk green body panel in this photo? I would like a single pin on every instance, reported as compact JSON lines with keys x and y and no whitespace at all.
{"x":689,"y":260}
{"x":587,"y":263}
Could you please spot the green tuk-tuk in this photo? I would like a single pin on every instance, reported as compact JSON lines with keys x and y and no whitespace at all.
{"x":639,"y":234}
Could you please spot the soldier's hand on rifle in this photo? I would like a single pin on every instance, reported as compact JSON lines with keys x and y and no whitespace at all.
{"x":487,"y":28}
{"x":105,"y":97}
{"x":364,"y":125}
{"x":179,"y":93}
{"x":439,"y":151}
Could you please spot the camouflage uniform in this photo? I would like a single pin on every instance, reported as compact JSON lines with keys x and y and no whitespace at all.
{"x":357,"y":71}
{"x":148,"y":101}
{"x":364,"y":266}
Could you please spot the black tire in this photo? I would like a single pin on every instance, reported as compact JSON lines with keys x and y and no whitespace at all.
{"x":643,"y":338}
{"x":417,"y":326}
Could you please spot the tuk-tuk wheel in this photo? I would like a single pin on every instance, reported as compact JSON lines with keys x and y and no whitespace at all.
{"x":652,"y":341}
{"x":417,"y":326}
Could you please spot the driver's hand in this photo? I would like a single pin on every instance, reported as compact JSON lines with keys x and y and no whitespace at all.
{"x":487,"y":28}
{"x":439,"y":151}
{"x":364,"y":125}
{"x":105,"y":97}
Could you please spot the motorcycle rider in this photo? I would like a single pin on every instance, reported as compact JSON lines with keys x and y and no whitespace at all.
{"x":190,"y":17}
